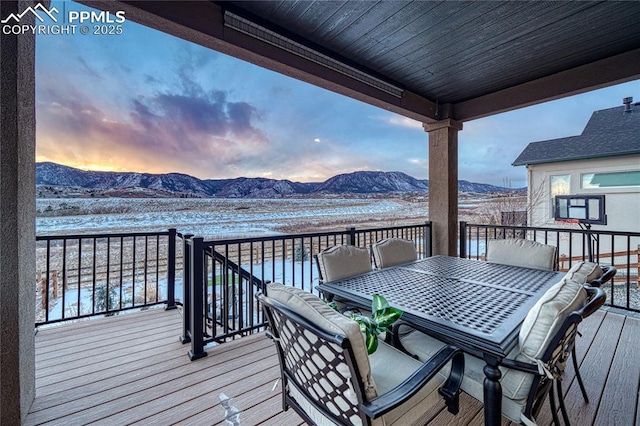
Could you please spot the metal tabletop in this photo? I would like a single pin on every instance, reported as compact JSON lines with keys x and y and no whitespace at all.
{"x":475,"y":305}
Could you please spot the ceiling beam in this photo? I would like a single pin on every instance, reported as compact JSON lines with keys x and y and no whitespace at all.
{"x":606,"y":72}
{"x":202,"y":22}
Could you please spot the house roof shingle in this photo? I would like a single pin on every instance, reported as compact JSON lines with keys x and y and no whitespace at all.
{"x":609,"y":132}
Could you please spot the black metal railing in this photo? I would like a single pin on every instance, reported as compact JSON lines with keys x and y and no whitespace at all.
{"x":223,"y":276}
{"x":620,"y":249}
{"x":79,"y":276}
{"x":85,"y":275}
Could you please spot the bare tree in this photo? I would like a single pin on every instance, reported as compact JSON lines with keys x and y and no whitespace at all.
{"x":511,"y":208}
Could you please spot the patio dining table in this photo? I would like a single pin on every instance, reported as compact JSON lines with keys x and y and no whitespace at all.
{"x":475,"y":305}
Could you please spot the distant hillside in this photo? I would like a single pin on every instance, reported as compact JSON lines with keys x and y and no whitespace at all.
{"x":257,"y":188}
{"x":63,"y":176}
{"x":372,"y":182}
{"x":57,"y":180}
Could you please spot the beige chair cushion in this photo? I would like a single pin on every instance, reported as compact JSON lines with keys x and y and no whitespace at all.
{"x":393,"y":251}
{"x":412,"y":411}
{"x":524,"y":253}
{"x":544,"y":318}
{"x":515,"y":384}
{"x":420,"y":344}
{"x":343,"y":261}
{"x":584,"y":272}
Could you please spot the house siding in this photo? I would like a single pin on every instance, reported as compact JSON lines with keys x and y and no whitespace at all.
{"x":622,"y":204}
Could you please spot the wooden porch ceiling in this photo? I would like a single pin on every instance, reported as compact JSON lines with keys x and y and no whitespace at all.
{"x":428,"y":60}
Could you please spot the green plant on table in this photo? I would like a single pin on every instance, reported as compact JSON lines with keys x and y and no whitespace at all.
{"x":382,"y":318}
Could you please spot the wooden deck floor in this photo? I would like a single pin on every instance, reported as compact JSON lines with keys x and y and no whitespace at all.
{"x":132,"y":369}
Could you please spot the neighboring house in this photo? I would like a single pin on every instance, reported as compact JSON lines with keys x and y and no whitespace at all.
{"x":604,"y":159}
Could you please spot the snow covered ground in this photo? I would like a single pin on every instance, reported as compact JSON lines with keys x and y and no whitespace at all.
{"x":228,"y":218}
{"x":209,"y":218}
{"x":213,"y":217}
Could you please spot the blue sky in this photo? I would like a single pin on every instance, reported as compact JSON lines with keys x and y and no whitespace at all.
{"x":149,"y":102}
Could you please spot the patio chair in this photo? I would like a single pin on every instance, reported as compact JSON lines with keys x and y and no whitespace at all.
{"x":393,"y":251}
{"x":594,"y":275}
{"x":328,"y":378}
{"x":524,"y":253}
{"x":342,"y":261}
{"x":546,"y":338}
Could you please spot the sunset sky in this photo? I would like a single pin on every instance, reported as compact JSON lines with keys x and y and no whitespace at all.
{"x":149,"y":102}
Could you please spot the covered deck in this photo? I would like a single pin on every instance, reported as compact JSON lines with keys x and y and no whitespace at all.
{"x":132,"y":369}
{"x":441,"y":90}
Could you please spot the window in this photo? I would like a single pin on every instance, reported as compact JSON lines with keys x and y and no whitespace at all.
{"x":559,"y":186}
{"x":611,"y":180}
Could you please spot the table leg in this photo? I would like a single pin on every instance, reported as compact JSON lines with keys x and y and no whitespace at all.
{"x":492,"y":394}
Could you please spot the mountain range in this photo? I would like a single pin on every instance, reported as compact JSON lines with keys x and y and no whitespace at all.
{"x":57,"y":180}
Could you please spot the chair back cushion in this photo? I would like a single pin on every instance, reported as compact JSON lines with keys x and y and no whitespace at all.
{"x":584,"y":272}
{"x":343,"y":261}
{"x":393,"y":251}
{"x":548,"y":314}
{"x":323,"y":316}
{"x":524,"y":253}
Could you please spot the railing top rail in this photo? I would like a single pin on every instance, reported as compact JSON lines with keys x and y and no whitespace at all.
{"x":102,"y":235}
{"x":549,"y":229}
{"x":393,"y":228}
{"x":344,"y":232}
{"x":230,"y":241}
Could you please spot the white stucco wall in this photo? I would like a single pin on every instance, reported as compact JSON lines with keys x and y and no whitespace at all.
{"x":622,"y":207}
{"x":622,"y":204}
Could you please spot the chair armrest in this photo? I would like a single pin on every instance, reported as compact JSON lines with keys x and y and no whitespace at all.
{"x":597,"y":297}
{"x":386,"y":402}
{"x":608,"y":272}
{"x":520,"y":366}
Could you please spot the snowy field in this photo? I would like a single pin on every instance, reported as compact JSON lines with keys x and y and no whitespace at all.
{"x":209,"y":218}
{"x":217,"y":217}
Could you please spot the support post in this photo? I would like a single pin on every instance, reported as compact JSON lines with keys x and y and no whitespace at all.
{"x":351,"y":238}
{"x":186,"y":289}
{"x":427,"y":238}
{"x":171,"y":270}
{"x":463,"y":238}
{"x":17,"y":216}
{"x":197,"y":284}
{"x":443,"y":184}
